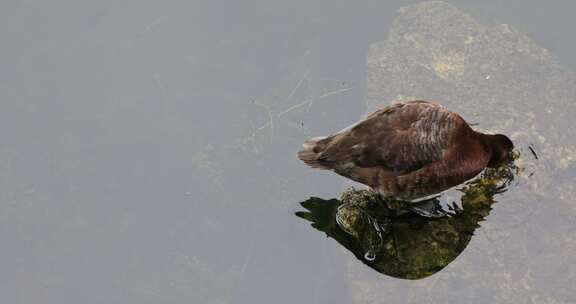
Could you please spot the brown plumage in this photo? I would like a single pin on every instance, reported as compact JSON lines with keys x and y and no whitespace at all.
{"x":408,"y":150}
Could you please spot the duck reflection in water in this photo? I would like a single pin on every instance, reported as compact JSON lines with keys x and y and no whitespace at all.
{"x":388,"y":237}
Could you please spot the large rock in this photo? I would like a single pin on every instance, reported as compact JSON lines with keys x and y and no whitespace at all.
{"x":497,"y":77}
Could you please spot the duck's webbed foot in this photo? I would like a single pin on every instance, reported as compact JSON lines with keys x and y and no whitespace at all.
{"x":428,"y":208}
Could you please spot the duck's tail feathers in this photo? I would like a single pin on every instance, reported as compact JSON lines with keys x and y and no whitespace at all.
{"x":311,"y":154}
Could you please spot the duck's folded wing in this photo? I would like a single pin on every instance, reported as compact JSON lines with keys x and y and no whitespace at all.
{"x":398,"y":138}
{"x":455,"y":168}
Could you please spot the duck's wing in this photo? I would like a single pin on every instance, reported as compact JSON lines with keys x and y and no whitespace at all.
{"x":400,"y":138}
{"x":459,"y":164}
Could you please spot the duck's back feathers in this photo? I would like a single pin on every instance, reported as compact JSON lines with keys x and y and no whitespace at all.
{"x":400,"y":138}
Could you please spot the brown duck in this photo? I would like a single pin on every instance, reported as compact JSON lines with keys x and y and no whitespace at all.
{"x":408,"y":150}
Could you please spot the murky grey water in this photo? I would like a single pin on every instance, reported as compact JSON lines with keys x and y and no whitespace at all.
{"x":148,"y":148}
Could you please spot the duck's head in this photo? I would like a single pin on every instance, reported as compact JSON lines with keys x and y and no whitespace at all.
{"x":501,"y":147}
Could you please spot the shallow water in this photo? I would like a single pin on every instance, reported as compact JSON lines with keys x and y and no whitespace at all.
{"x":148,"y":153}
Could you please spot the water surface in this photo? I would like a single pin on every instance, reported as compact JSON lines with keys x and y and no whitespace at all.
{"x":148,"y":154}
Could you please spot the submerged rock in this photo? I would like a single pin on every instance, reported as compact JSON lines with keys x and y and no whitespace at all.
{"x":498,"y":77}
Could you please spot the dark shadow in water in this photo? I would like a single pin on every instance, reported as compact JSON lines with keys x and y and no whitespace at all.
{"x":403,"y":244}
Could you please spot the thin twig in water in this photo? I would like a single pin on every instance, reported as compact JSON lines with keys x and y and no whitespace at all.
{"x":248,"y":257}
{"x":270,"y":119}
{"x":308,"y":101}
{"x":151,"y":26}
{"x":311,"y":100}
{"x":304,"y":77}
{"x":160,"y":86}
